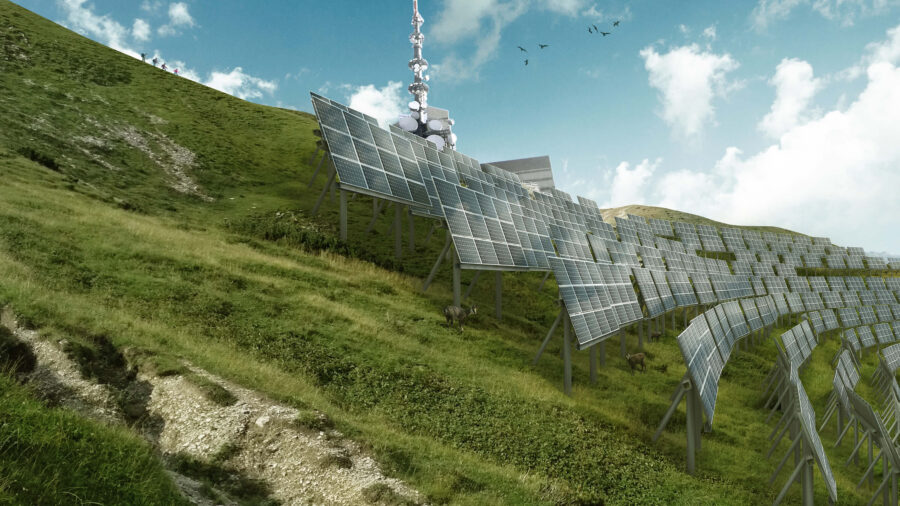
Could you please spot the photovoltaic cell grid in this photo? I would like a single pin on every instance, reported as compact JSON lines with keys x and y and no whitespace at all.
{"x":854,"y":262}
{"x":587,"y":299}
{"x":482,"y":228}
{"x":883,"y":333}
{"x":851,"y":299}
{"x":751,"y":312}
{"x":832,"y":300}
{"x":662,"y":288}
{"x":781,"y":305}
{"x":570,"y":243}
{"x":648,"y":292}
{"x":854,"y":283}
{"x":775,"y":284}
{"x":767,"y":311}
{"x":892,"y":357}
{"x":759,"y":288}
{"x":884,"y":314}
{"x":816,"y":321}
{"x":866,"y":338}
{"x":852,"y":339}
{"x":885,"y":296}
{"x":812,"y":301}
{"x":808,"y":423}
{"x":867,"y":297}
{"x":721,"y":331}
{"x":736,"y":319}
{"x":829,"y":319}
{"x":682,"y":290}
{"x":703,"y":362}
{"x":867,"y":315}
{"x":661,"y":227}
{"x":849,"y":317}
{"x":370,"y":159}
{"x":703,"y":288}
{"x":794,"y":302}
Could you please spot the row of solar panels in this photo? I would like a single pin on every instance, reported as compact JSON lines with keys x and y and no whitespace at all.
{"x":494,"y":221}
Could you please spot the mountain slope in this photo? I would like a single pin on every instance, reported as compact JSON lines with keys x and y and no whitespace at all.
{"x":103,"y":233}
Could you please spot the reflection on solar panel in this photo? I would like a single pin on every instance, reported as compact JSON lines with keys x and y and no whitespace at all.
{"x":587,"y":299}
{"x":883,"y":333}
{"x":795,"y":303}
{"x":369,"y":159}
{"x":662,"y":288}
{"x":681,"y":289}
{"x":808,"y":423}
{"x":648,"y":292}
{"x":703,"y":288}
{"x":849,"y":317}
{"x":829,"y":319}
{"x":751,"y":313}
{"x":866,"y":338}
{"x":482,"y":228}
{"x":703,"y":362}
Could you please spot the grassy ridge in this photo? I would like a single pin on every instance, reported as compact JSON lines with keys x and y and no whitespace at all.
{"x":249,"y":287}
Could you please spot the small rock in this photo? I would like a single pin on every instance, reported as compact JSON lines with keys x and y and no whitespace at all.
{"x":262,"y":421}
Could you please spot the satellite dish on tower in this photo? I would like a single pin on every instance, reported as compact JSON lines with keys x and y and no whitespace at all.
{"x":437,"y":140}
{"x":414,"y":115}
{"x":436,"y":124}
{"x":414,"y":106}
{"x":408,"y":124}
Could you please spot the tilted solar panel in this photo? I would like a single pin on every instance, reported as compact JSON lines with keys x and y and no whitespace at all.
{"x":681,"y":289}
{"x":662,"y":288}
{"x":648,"y":292}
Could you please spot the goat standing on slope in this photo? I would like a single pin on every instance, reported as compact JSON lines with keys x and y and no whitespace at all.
{"x":634,"y":360}
{"x":457,"y":313}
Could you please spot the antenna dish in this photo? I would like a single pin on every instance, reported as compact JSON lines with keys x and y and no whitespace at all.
{"x":437,"y":140}
{"x":408,"y":123}
{"x":414,"y":115}
{"x":414,"y":106}
{"x":436,"y":124}
{"x":453,"y":138}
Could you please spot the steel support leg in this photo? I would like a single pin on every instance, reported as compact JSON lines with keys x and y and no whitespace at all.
{"x":457,"y":275}
{"x":437,"y":265}
{"x":498,"y":295}
{"x":412,"y":230}
{"x":556,"y":322}
{"x":343,"y":217}
{"x":593,"y":356}
{"x":315,"y":209}
{"x":567,"y":354}
{"x":398,"y":231}
{"x":541,"y":288}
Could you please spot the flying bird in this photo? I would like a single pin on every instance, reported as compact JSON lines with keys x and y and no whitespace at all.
{"x":522,"y":49}
{"x":542,"y":46}
{"x":604,"y":33}
{"x":526,"y":62}
{"x":616,"y":23}
{"x":595,"y":28}
{"x":589,"y":30}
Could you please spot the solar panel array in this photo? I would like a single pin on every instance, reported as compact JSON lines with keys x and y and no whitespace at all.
{"x":703,"y":362}
{"x":811,"y":436}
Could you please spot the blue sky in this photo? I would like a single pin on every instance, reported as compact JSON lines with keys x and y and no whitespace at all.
{"x":775,"y":112}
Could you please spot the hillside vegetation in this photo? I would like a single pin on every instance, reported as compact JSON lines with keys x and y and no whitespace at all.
{"x":145,"y":210}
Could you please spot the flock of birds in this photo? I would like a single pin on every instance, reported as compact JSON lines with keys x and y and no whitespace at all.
{"x":592,"y":29}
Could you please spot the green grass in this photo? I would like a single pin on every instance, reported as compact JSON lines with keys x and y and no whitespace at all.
{"x":250,"y":287}
{"x":51,"y":456}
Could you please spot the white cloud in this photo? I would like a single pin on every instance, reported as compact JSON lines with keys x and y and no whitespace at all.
{"x":710,"y":32}
{"x":628,"y":186}
{"x":239,"y":84}
{"x":688,"y":79}
{"x":179,"y":17}
{"x":884,"y":51}
{"x":846,"y":12}
{"x":140,"y":30}
{"x":834,"y":176}
{"x":85,"y":21}
{"x":153,"y":6}
{"x":795,"y":87}
{"x":385,"y":104}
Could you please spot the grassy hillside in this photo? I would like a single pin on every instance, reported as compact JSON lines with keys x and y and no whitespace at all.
{"x":609,"y":215}
{"x":172,"y":218}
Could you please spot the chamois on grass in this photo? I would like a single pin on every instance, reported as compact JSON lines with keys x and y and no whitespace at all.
{"x":457,"y":313}
{"x":655,"y":336}
{"x":634,"y":360}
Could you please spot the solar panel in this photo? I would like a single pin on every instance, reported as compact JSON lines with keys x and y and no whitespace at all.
{"x":752,"y":313}
{"x":662,"y":288}
{"x":621,"y":291}
{"x":867,"y":298}
{"x":885,"y":296}
{"x":895,"y":308}
{"x":875,"y":283}
{"x":661,"y":227}
{"x":829,"y":320}
{"x":797,"y":284}
{"x":851,"y":299}
{"x":854,"y":283}
{"x":876,"y":263}
{"x":795,"y":303}
{"x":648,"y":292}
{"x":808,"y":423}
{"x":620,"y":253}
{"x":883,"y":333}
{"x":892,"y":283}
{"x":531,"y":227}
{"x":854,"y":262}
{"x":866,"y":338}
{"x":849,"y":317}
{"x":369,"y":159}
{"x":884,"y":314}
{"x":812,"y":301}
{"x":852,"y":338}
{"x":892,"y":357}
{"x":703,"y":363}
{"x":703,"y":288}
{"x":816,"y":321}
{"x":835,"y":262}
{"x":767,"y":312}
{"x":682,"y":290}
{"x":775,"y":284}
{"x":570,"y":243}
{"x":721,"y":332}
{"x":867,"y":315}
{"x":482,"y":235}
{"x":587,"y":299}
{"x":781,"y":305}
{"x":832,"y":300}
{"x":736,"y":319}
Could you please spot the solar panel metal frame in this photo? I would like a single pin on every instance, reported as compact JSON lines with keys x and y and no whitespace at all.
{"x":752,"y":314}
{"x":652,"y":301}
{"x":662,"y":288}
{"x":682,"y":290}
{"x":587,"y":300}
{"x":703,"y":288}
{"x":811,"y":436}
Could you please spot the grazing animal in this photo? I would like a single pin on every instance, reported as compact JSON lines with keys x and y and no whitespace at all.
{"x":634,"y":360}
{"x":457,"y":313}
{"x":655,"y":336}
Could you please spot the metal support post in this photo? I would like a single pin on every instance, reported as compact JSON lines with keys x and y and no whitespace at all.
{"x":315,"y":209}
{"x":412,"y":230}
{"x":622,"y":345}
{"x":498,"y":295}
{"x":602,"y":353}
{"x":593,"y":357}
{"x":472,"y":284}
{"x":806,"y":479}
{"x":567,"y":354}
{"x":376,"y":209}
{"x":541,"y":288}
{"x":313,"y":157}
{"x":558,"y":319}
{"x":430,"y":231}
{"x":343,"y":217}
{"x":318,"y":166}
{"x":447,"y":244}
{"x":398,"y":232}
{"x":693,"y":430}
{"x":457,"y":275}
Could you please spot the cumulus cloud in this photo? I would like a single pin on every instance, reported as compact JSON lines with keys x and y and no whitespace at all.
{"x":240,"y":84}
{"x":82,"y":19}
{"x":795,"y":88}
{"x":834,"y":176}
{"x":140,"y":30}
{"x":710,"y":32}
{"x":846,"y":12}
{"x":385,"y":104}
{"x":688,"y":79}
{"x":887,"y":50}
{"x":627,"y":185}
{"x":179,"y":17}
